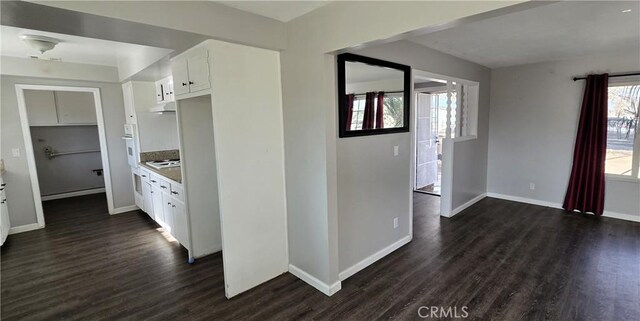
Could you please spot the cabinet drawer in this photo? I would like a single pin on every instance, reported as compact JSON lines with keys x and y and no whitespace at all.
{"x":177,"y":192}
{"x":160,"y":183}
{"x":145,"y":175}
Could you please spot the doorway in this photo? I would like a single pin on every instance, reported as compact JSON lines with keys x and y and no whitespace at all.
{"x":431,"y":105}
{"x":65,"y":143}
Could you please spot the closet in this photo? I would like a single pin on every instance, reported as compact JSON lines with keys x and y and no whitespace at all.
{"x":229,"y":110}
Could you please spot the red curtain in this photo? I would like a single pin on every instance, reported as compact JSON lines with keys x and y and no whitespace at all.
{"x":350,"y":99}
{"x":367,"y":122}
{"x":586,"y":185}
{"x":380,"y":110}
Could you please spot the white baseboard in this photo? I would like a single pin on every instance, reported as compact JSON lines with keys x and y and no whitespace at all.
{"x":73,"y":194}
{"x":610,"y":214}
{"x":24,"y":228}
{"x":329,"y":290}
{"x":373,"y":258}
{"x":467,"y":204}
{"x":124,"y":209}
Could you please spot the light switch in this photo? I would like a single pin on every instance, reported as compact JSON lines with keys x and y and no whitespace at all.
{"x":395,"y":150}
{"x":15,"y":152}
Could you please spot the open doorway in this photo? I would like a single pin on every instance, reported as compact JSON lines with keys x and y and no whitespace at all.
{"x":65,"y":143}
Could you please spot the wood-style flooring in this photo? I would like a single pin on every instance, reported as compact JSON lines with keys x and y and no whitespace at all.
{"x":502,"y":260}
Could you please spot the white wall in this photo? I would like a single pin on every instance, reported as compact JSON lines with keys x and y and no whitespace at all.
{"x":67,"y":173}
{"x":24,"y":67}
{"x":310,"y":103}
{"x":534,"y":118}
{"x":374,"y":186}
{"x":21,"y":206}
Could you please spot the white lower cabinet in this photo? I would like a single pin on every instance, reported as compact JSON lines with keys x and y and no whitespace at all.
{"x":164,"y":203}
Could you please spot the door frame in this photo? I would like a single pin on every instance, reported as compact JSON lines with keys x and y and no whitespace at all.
{"x":416,"y":92}
{"x":28,"y":143}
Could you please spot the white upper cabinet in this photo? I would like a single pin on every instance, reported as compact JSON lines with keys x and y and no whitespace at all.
{"x":41,"y":107}
{"x":191,"y":72}
{"x":129,"y":107}
{"x":75,"y":107}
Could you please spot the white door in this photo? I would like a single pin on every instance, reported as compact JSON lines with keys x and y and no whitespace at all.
{"x":426,"y":143}
{"x":158,"y":208}
{"x":179,"y":222}
{"x":129,"y":109}
{"x":147,"y":197}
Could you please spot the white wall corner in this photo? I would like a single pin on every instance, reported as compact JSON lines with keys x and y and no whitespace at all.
{"x":373,"y":258}
{"x":467,"y":204}
{"x":620,"y":216}
{"x":25,"y":228}
{"x":124,"y":209}
{"x":327,"y":289}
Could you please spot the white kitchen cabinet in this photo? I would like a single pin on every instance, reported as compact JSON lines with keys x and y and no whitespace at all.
{"x":164,"y":90}
{"x":180,"y":76}
{"x":158,"y":209}
{"x":129,"y":104}
{"x":41,"y":107}
{"x":75,"y":107}
{"x":180,"y":229}
{"x":167,"y":211}
{"x":147,"y":199}
{"x":191,"y":72}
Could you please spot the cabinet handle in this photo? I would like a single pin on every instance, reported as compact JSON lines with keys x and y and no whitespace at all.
{"x":168,"y":203}
{"x":174,"y":192}
{"x":173,"y":206}
{"x":144,"y":175}
{"x":3,"y":184}
{"x":162,"y":186}
{"x":190,"y":82}
{"x":5,"y":200}
{"x":1,"y":189}
{"x":158,"y":95}
{"x":152,"y":181}
{"x":184,"y":84}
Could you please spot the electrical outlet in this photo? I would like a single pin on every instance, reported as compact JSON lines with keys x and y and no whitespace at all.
{"x":395,"y":222}
{"x":532,"y":186}
{"x":395,"y":150}
{"x":15,"y":152}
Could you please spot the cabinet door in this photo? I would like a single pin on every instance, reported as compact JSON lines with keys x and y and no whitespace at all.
{"x":75,"y":107}
{"x":159,"y":91}
{"x":147,"y":199}
{"x":167,"y":203}
{"x":198,"y":66}
{"x":158,"y":208}
{"x":129,"y":109}
{"x":41,"y":107}
{"x":167,"y":87}
{"x":180,"y":223}
{"x":180,"y":77}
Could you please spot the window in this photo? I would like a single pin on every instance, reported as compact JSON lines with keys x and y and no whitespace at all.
{"x":393,"y":110}
{"x":623,"y":150}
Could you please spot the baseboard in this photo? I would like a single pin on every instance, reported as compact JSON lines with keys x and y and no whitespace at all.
{"x":329,"y":290}
{"x":467,"y":204}
{"x":373,"y":258}
{"x":24,"y":228}
{"x":610,"y":214}
{"x":124,"y":209}
{"x":73,"y":194}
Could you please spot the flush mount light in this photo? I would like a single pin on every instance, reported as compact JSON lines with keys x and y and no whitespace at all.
{"x":40,"y":43}
{"x":626,"y":10}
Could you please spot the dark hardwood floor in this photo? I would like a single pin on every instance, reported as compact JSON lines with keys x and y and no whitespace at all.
{"x":503,"y":260}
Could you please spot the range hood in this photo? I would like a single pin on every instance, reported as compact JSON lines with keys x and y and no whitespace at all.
{"x":168,"y":107}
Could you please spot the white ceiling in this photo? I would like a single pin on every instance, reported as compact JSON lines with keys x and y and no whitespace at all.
{"x":279,"y":10}
{"x":73,"y":48}
{"x":547,"y":33}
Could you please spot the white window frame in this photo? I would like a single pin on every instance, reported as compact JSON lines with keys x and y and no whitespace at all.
{"x":635,"y":159}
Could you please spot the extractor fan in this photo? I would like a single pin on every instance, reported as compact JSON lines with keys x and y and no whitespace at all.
{"x":40,"y":43}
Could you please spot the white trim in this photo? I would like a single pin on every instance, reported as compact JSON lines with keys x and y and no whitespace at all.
{"x":610,"y":214}
{"x":24,"y":228}
{"x":467,"y":204}
{"x":621,"y":178}
{"x":125,"y":209}
{"x":31,"y":162}
{"x":329,"y":290}
{"x":73,"y":194}
{"x":373,"y":258}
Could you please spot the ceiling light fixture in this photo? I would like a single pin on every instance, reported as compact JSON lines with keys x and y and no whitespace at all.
{"x":40,"y":43}
{"x":626,"y":10}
